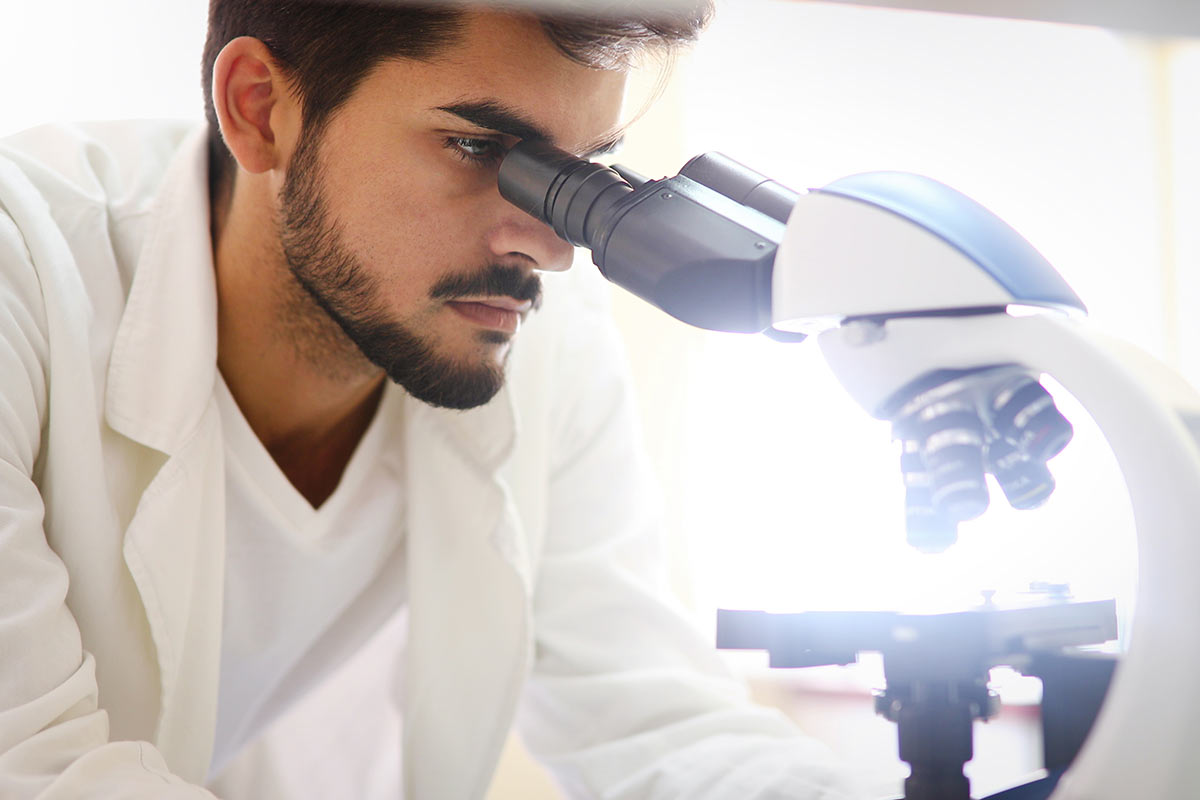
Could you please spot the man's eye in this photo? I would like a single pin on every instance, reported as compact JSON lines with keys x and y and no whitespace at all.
{"x":480,"y":151}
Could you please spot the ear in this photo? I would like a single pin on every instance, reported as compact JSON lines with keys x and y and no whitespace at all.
{"x":258,"y":113}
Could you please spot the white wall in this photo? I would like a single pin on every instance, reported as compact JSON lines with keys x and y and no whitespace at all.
{"x":115,"y":59}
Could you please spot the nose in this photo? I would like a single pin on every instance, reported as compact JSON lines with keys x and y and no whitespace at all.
{"x":517,"y":234}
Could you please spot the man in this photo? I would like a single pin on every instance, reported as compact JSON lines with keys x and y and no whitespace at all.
{"x":264,"y":396}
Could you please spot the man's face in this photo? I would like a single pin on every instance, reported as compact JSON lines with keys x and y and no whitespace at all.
{"x":392,"y":220}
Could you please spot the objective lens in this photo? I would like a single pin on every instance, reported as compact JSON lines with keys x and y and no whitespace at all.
{"x":927,"y":530}
{"x":953,"y":446}
{"x":1025,"y":414}
{"x":1026,"y":483}
{"x":956,"y":428}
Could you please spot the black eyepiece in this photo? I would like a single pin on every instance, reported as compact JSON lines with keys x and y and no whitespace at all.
{"x":570,"y":194}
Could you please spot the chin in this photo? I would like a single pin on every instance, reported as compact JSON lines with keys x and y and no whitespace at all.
{"x":450,"y":383}
{"x":460,"y":395}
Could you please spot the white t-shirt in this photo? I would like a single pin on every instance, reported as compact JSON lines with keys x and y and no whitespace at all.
{"x":305,"y":588}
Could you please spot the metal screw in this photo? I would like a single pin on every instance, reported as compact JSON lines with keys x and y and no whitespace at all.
{"x":864,"y":332}
{"x":887,"y":706}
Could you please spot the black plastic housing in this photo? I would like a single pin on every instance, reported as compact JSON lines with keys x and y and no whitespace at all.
{"x":690,"y":250}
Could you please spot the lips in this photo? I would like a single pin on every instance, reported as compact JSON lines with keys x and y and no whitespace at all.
{"x":496,"y":313}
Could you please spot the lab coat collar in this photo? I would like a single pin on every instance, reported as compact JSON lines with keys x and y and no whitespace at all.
{"x":161,"y":374}
{"x":485,"y":434}
{"x":164,"y":357}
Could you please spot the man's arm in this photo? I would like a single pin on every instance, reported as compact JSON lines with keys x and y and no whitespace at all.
{"x":627,"y":700}
{"x":54,"y":738}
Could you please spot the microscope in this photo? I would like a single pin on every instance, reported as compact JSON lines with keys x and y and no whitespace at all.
{"x":936,"y":316}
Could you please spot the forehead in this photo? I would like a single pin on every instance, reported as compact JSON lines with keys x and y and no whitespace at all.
{"x":505,"y":60}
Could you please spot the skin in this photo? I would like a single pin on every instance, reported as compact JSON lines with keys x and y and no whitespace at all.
{"x":411,"y":191}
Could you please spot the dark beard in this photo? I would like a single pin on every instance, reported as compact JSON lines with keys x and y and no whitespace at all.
{"x":337,"y":282}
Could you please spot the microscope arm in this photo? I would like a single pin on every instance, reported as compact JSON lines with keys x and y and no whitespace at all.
{"x":1141,"y":745}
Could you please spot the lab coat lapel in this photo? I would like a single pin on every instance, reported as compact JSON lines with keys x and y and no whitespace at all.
{"x":469,"y":640}
{"x":160,"y":395}
{"x":175,"y":550}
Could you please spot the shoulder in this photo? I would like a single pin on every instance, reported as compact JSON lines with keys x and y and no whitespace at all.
{"x":81,"y":195}
{"x":117,"y":165}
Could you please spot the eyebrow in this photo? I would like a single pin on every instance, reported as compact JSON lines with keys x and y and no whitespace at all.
{"x":503,"y":119}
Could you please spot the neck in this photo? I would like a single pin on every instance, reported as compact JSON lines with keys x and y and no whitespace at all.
{"x":305,"y":389}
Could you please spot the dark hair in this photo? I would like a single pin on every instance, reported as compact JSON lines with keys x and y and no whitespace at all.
{"x":328,"y":47}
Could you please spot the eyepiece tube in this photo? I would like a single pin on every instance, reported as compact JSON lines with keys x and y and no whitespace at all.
{"x":742,"y":184}
{"x":527,"y":173}
{"x":676,"y":243}
{"x":568,"y":193}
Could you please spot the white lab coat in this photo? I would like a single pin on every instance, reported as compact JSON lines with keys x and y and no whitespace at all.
{"x":531,"y":548}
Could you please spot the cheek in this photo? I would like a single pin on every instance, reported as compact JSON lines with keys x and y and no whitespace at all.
{"x":410,"y":218}
{"x":408,"y":251}
{"x":412,"y":203}
{"x":404,"y":232}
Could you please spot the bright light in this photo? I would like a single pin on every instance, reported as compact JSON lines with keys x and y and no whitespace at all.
{"x":793,"y":495}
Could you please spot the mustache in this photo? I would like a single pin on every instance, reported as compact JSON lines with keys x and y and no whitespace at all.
{"x":495,"y":280}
